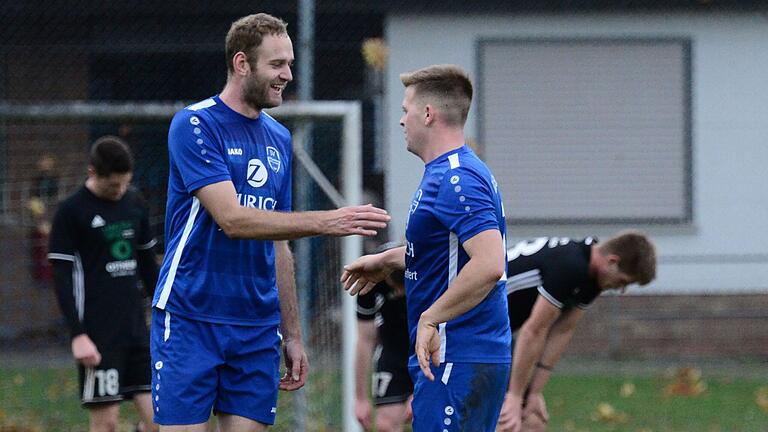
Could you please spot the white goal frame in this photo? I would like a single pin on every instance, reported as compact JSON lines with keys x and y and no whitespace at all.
{"x":304,"y":113}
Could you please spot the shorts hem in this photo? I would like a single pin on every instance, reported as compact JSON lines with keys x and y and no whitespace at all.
{"x":180,"y":422}
{"x":269,"y":422}
{"x":102,"y":401}
{"x":132,"y":390}
{"x":390,"y":400}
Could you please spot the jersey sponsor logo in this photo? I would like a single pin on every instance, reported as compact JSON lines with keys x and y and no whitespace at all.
{"x":254,"y":201}
{"x":409,"y":249}
{"x":121,"y":268}
{"x":257,"y":173}
{"x":235,"y":151}
{"x":273,"y":159}
{"x":97,"y":222}
{"x":411,"y":275}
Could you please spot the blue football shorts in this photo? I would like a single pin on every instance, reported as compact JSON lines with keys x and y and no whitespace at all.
{"x":463,"y":397}
{"x":199,"y":366}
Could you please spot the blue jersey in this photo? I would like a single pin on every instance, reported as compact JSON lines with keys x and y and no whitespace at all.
{"x":205,"y":275}
{"x":457,"y":199}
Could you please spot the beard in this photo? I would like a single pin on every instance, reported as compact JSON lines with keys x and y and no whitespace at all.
{"x":256,"y":94}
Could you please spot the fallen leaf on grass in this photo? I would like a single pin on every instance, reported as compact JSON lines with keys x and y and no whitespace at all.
{"x":687,"y":383}
{"x":627,"y":389}
{"x":18,"y":379}
{"x":606,"y":413}
{"x":761,"y":398}
{"x":17,"y":428}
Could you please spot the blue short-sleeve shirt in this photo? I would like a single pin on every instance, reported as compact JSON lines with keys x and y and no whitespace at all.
{"x":457,"y":199}
{"x":206,"y":275}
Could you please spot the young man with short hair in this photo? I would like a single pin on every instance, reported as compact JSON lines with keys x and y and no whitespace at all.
{"x":454,"y":262}
{"x":226,"y":298}
{"x":550,"y":283}
{"x":100,"y":246}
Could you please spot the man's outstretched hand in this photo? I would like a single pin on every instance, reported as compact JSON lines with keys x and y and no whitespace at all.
{"x":362,"y":274}
{"x":362,"y":220}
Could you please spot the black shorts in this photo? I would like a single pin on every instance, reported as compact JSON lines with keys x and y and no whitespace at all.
{"x":391,"y":382}
{"x":122,"y":373}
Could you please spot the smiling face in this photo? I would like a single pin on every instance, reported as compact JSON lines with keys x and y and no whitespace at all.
{"x":269,"y":72}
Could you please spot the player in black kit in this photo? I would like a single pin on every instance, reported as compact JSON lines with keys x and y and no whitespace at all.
{"x":550,"y":282}
{"x":382,"y":338}
{"x":100,"y":246}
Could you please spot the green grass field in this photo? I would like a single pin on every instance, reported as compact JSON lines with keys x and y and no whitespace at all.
{"x":44,"y":399}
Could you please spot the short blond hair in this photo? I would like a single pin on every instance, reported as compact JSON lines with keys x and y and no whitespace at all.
{"x":446,"y":86}
{"x":636,"y":252}
{"x":246,"y":34}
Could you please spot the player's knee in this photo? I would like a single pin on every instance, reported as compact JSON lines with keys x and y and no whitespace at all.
{"x":389,"y":423}
{"x":533,"y":423}
{"x":152,"y":427}
{"x":104,"y":425}
{"x":389,"y":426}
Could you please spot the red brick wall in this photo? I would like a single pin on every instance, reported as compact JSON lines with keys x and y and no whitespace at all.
{"x":711,"y":326}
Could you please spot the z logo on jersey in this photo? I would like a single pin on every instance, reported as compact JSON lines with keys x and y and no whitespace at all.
{"x":257,"y":173}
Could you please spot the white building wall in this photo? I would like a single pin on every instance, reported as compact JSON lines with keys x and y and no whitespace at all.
{"x":725,"y":248}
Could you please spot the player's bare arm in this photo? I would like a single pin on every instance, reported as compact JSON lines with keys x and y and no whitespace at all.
{"x":362,"y":274}
{"x":476,"y":279}
{"x":250,"y":223}
{"x":296,"y":363}
{"x":559,"y":337}
{"x":366,"y":342}
{"x":531,"y":341}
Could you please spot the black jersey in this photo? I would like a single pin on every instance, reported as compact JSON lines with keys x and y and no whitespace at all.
{"x":556,"y":268}
{"x":100,"y":238}
{"x":389,"y":311}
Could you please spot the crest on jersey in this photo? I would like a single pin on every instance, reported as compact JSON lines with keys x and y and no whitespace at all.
{"x":273,"y":159}
{"x":257,"y":173}
{"x":414,"y":205}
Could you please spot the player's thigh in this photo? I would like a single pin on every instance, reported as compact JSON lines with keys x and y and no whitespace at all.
{"x":203,"y":427}
{"x":143,"y":403}
{"x":463,"y":397}
{"x":234,"y":423}
{"x":185,"y":357}
{"x":390,"y":417}
{"x":103,"y":417}
{"x":249,"y":377}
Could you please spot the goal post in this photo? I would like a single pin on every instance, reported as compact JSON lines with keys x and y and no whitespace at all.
{"x":299,"y":114}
